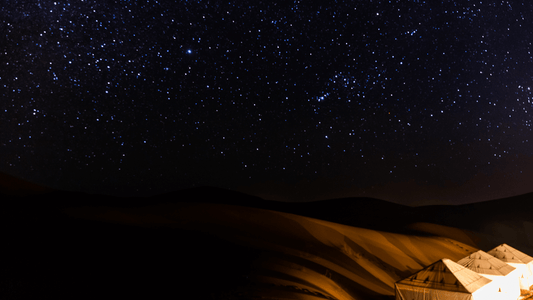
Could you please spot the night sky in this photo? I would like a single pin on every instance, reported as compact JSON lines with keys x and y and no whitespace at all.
{"x":143,"y":97}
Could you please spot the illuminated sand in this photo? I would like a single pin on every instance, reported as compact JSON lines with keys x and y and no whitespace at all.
{"x":220,"y":251}
{"x":302,"y":258}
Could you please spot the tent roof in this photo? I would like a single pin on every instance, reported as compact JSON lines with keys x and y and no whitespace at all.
{"x":484,"y":263}
{"x":447,"y":275}
{"x":509,"y":254}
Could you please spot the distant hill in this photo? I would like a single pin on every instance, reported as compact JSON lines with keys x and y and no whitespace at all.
{"x":509,"y":216}
{"x":483,"y":224}
{"x":14,"y":186}
{"x":485,"y":218}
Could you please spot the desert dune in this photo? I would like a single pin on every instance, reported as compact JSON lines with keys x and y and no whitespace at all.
{"x":314,"y":257}
{"x":211,"y":243}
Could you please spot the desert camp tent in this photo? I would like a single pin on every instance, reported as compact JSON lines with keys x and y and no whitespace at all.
{"x":517,"y":259}
{"x":446,"y":280}
{"x":501,"y":273}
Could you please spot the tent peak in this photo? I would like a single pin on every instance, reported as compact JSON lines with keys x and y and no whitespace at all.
{"x":484,"y":263}
{"x":509,"y":254}
{"x":446,"y":274}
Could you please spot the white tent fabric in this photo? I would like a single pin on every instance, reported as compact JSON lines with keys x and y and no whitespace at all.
{"x":446,"y":280}
{"x":517,"y":259}
{"x":502,"y":274}
{"x":404,"y":292}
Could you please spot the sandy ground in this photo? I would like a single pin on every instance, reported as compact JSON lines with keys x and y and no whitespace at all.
{"x":205,"y":248}
{"x":300,"y":257}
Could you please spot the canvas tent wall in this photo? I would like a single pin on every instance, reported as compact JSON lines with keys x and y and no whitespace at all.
{"x":446,"y":280}
{"x":501,"y":273}
{"x":517,"y":259}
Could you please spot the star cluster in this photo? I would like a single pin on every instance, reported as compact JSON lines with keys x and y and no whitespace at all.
{"x":109,"y":95}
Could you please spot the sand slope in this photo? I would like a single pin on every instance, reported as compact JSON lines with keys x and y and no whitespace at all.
{"x":301,"y":257}
{"x":14,"y":186}
{"x":252,"y":249}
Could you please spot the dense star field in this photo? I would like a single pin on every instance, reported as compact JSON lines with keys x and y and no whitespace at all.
{"x":115,"y":96}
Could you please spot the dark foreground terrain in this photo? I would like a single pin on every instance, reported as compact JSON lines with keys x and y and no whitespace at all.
{"x":51,"y":255}
{"x":48,"y":255}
